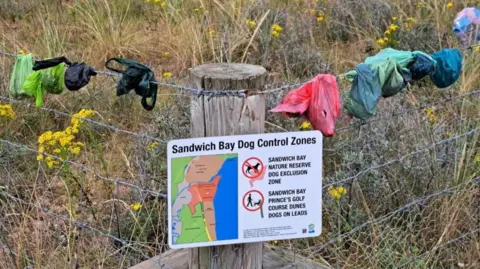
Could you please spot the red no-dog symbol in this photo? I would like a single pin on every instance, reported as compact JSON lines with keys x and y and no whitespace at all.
{"x":253,"y":200}
{"x":252,"y":167}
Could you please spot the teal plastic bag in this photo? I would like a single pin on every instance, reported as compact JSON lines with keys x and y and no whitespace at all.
{"x":448,"y":67}
{"x":21,"y":70}
{"x":403,"y":58}
{"x":365,"y":92}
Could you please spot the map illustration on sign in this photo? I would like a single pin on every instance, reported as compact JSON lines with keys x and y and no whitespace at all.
{"x":244,"y":188}
{"x":204,"y":198}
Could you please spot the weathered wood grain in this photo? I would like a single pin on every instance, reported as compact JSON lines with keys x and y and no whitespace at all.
{"x":273,"y":258}
{"x":222,"y":116}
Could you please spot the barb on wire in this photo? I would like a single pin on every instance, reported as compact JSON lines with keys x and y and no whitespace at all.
{"x":78,"y":224}
{"x":406,"y":111}
{"x":400,"y":209}
{"x":439,"y":246}
{"x":103,"y":125}
{"x":89,"y":170}
{"x":402,"y":158}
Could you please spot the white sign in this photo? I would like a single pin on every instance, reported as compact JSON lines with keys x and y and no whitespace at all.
{"x":243,"y":189}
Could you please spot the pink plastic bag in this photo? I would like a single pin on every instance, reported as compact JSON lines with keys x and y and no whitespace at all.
{"x":318,"y":100}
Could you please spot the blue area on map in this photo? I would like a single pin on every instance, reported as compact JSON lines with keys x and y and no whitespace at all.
{"x":226,"y":201}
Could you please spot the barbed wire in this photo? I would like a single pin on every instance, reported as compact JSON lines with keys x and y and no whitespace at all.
{"x":103,"y":125}
{"x":87,"y":169}
{"x":455,"y":240}
{"x":146,"y":136}
{"x":400,"y":209}
{"x":401,"y":158}
{"x":194,"y":91}
{"x":406,"y":111}
{"x":80,"y":225}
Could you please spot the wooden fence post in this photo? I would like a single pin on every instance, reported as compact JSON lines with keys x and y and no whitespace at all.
{"x":222,"y":116}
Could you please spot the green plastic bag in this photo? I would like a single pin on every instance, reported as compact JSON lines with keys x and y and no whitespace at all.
{"x":393,"y":78}
{"x":21,"y":70}
{"x":33,"y":86}
{"x":49,"y":80}
{"x":53,"y":79}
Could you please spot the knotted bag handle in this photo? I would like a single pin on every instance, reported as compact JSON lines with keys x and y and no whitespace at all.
{"x":111,"y":68}
{"x":154,"y":100}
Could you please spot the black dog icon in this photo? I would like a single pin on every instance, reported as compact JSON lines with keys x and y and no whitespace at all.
{"x":257,"y":203}
{"x":249,"y":168}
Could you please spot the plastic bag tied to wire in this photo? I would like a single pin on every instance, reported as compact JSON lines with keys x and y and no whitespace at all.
{"x":365,"y":92}
{"x":21,"y":71}
{"x":448,"y":67}
{"x":466,"y":26}
{"x":136,"y":77}
{"x":78,"y":76}
{"x":317,"y":100}
{"x":48,"y":78}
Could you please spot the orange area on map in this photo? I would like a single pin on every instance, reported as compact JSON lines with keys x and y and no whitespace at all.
{"x":204,"y":192}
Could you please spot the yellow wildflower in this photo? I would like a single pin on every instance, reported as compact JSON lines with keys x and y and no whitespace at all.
{"x":430,"y":114}
{"x":277,"y":28}
{"x":311,"y":11}
{"x":275,"y":34}
{"x":7,"y":111}
{"x":393,"y":27}
{"x":166,"y":54}
{"x":305,"y":125}
{"x":152,"y":146}
{"x":449,"y":5}
{"x":478,"y":158}
{"x":167,"y":75}
{"x":385,"y":39}
{"x":252,"y":24}
{"x":74,"y":150}
{"x":394,"y":18}
{"x":39,"y":157}
{"x":136,"y":206}
{"x":336,"y":193}
{"x":62,"y":141}
{"x":163,"y":4}
{"x":388,"y":32}
{"x":320,"y":19}
{"x":380,"y":41}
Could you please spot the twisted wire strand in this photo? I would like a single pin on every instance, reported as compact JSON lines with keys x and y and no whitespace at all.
{"x":89,"y":170}
{"x":79,"y":224}
{"x":402,"y":158}
{"x":400,"y":209}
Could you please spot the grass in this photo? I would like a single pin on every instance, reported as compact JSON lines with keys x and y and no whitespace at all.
{"x":181,"y":34}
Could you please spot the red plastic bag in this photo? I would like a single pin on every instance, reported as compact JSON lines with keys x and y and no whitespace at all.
{"x":318,"y":100}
